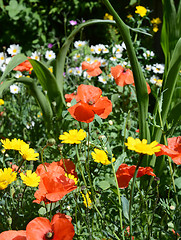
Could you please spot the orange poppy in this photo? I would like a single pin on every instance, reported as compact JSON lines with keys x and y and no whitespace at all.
{"x":173,"y":149}
{"x":69,"y":97}
{"x":148,"y":87}
{"x":92,"y":69}
{"x":122,"y":76}
{"x":90,"y":103}
{"x":24,"y":66}
{"x":68,"y":166}
{"x":13,"y":235}
{"x":125,"y":173}
{"x":54,"y":185}
{"x":59,"y":228}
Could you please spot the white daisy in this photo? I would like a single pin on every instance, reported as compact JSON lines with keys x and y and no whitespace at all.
{"x":78,"y":71}
{"x":14,"y":89}
{"x":3,"y":67}
{"x":8,"y":60}
{"x":50,"y":55}
{"x":70,"y":71}
{"x":13,"y":49}
{"x":89,"y":59}
{"x":153,"y":79}
{"x":113,"y":59}
{"x":92,"y":49}
{"x":36,"y":55}
{"x":76,"y":56}
{"x":2,"y":58}
{"x":86,"y":76}
{"x":148,"y":67}
{"x":18,"y":74}
{"x":78,"y":44}
{"x":148,"y":54}
{"x":102,"y":79}
{"x":99,"y":48}
{"x":158,"y":68}
{"x":104,"y":62}
{"x":117,"y":49}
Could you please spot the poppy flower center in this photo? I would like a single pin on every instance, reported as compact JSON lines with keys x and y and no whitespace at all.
{"x":90,"y":102}
{"x":49,"y":235}
{"x":124,"y":70}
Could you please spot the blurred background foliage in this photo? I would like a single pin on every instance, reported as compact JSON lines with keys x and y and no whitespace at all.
{"x":36,"y":23}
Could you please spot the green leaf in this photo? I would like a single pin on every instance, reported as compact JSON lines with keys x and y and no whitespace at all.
{"x":104,"y":185}
{"x":178,"y":182}
{"x":36,"y":93}
{"x":119,"y":161}
{"x":15,"y":61}
{"x":49,"y":84}
{"x":175,"y":113}
{"x":125,"y":204}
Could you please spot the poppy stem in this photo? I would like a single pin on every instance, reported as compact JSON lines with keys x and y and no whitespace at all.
{"x":132,"y":193}
{"x":87,"y":163}
{"x":119,"y":199}
{"x":169,"y":159}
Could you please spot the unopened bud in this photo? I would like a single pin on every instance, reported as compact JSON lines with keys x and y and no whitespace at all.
{"x":51,"y":142}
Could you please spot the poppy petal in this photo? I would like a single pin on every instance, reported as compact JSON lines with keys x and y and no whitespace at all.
{"x":62,"y":227}
{"x":38,"y":228}
{"x":116,"y":71}
{"x":177,"y":159}
{"x":82,"y":112}
{"x":103,"y":107}
{"x":88,"y":93}
{"x":13,"y":235}
{"x":95,"y":72}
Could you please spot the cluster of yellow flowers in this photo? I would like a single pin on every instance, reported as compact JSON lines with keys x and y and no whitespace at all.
{"x":26,"y":152}
{"x":7,"y":176}
{"x":155,"y":22}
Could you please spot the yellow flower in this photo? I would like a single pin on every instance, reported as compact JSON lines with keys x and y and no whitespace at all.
{"x":100,"y":156}
{"x":159,"y":82}
{"x":108,"y":16}
{"x":141,"y":146}
{"x":156,"y":21}
{"x":30,"y":179}
{"x":155,"y":28}
{"x":70,"y":176}
{"x":129,"y":16}
{"x":50,"y":69}
{"x":6,"y":144}
{"x":141,"y":11}
{"x":74,"y":136}
{"x":1,"y":101}
{"x":7,"y":177}
{"x":28,"y":153}
{"x":16,"y":144}
{"x":87,"y":200}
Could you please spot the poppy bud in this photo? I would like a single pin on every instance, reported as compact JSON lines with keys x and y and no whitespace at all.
{"x":51,"y":142}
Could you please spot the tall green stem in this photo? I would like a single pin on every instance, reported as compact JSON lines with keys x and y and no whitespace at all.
{"x":119,"y":199}
{"x":132,"y":193}
{"x":140,"y":82}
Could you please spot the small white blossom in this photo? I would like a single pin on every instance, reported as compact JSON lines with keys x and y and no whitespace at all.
{"x":35,"y":55}
{"x":76,"y":56}
{"x":14,"y":89}
{"x":78,"y":44}
{"x":148,"y":67}
{"x":50,"y":55}
{"x":13,"y":49}
{"x":158,"y":68}
{"x":2,"y":58}
{"x":18,"y":74}
{"x":148,"y":54}
{"x":102,"y":79}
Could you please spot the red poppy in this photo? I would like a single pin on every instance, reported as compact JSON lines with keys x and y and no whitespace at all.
{"x":122,"y":76}
{"x":54,"y":185}
{"x":175,"y":233}
{"x":59,"y":228}
{"x":127,"y":232}
{"x":13,"y":235}
{"x":173,"y":149}
{"x":90,"y":103}
{"x":24,"y":66}
{"x":148,"y":87}
{"x":92,"y":69}
{"x":68,"y":166}
{"x":125,"y":173}
{"x":69,"y":97}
